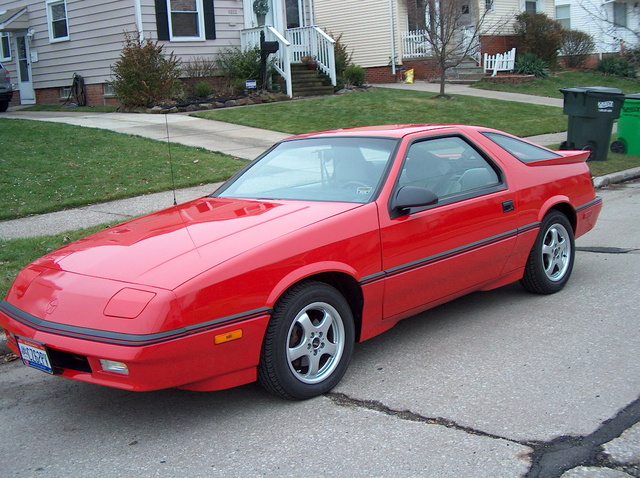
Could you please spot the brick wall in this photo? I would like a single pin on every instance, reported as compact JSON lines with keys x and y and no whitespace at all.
{"x":423,"y":69}
{"x":497,"y":44}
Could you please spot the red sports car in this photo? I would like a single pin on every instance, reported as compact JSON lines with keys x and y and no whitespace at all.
{"x":325,"y":240}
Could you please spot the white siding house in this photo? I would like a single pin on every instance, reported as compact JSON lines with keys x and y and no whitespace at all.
{"x":613,"y":24}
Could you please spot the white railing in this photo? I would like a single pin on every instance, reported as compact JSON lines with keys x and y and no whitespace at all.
{"x":415,"y":44}
{"x":282,"y":58}
{"x":299,"y":42}
{"x":314,"y":43}
{"x":500,"y":62}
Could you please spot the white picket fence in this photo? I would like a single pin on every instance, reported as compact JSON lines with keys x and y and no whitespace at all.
{"x":500,"y":62}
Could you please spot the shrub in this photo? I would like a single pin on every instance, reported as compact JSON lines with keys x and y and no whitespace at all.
{"x":143,"y":75}
{"x":202,"y":89}
{"x":530,"y":64}
{"x":616,"y":66}
{"x":343,"y":59}
{"x":237,"y":66}
{"x":632,"y":55}
{"x":354,"y":75}
{"x":576,"y":47}
{"x":200,"y":67}
{"x":540,"y":35}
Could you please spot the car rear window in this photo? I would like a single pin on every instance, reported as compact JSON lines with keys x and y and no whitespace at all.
{"x":525,"y":152}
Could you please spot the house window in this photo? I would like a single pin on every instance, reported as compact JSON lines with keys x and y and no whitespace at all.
{"x":620,"y":14}
{"x":185,"y":20}
{"x":488,"y":5}
{"x":465,"y":9}
{"x":57,"y":20}
{"x":185,"y":17}
{"x":563,"y":16}
{"x":530,"y":7}
{"x":5,"y":46}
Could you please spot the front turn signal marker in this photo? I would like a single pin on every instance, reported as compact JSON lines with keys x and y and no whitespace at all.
{"x":228,"y":337}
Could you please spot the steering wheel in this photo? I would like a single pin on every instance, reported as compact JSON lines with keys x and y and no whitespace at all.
{"x":353,"y":183}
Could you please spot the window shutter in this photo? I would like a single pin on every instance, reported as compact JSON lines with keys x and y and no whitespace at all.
{"x":162,"y":20}
{"x":209,"y":20}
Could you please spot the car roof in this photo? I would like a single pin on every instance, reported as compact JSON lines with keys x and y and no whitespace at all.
{"x":388,"y":130}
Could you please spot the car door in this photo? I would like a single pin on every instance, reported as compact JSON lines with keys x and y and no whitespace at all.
{"x":443,"y":250}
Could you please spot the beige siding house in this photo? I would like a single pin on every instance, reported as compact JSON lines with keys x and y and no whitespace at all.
{"x":46,"y":41}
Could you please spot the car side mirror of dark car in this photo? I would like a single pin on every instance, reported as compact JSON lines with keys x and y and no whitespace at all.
{"x":412,"y":196}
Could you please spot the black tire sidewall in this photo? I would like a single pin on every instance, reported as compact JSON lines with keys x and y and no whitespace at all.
{"x":281,"y":380}
{"x":535,"y":278}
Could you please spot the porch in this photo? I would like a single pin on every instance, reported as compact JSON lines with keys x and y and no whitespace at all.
{"x":294,"y":45}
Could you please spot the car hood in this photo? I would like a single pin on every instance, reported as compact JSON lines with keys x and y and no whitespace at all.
{"x":167,"y":248}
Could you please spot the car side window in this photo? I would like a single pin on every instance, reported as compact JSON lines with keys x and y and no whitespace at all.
{"x":447,"y":166}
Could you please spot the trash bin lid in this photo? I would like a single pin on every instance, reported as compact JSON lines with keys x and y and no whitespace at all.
{"x":594,"y":90}
{"x":633,"y":96}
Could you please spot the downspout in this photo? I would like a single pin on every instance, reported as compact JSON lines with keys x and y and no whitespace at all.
{"x":393,"y":39}
{"x":138,"y":11}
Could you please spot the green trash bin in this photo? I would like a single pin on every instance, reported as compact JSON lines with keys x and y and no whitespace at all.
{"x":591,"y":111}
{"x":628,"y":127}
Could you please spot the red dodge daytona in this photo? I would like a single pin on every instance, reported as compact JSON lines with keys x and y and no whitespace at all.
{"x":325,"y":240}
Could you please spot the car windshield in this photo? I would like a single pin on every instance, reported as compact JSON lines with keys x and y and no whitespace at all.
{"x":316,"y":169}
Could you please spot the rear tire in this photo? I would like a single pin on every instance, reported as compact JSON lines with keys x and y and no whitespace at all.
{"x":308,"y":342}
{"x":551,"y":259}
{"x":4,"y":105}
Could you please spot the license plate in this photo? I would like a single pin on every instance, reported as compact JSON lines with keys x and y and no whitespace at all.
{"x":34,"y":355}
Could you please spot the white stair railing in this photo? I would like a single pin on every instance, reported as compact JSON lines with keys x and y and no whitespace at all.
{"x":315,"y":43}
{"x":250,"y":38}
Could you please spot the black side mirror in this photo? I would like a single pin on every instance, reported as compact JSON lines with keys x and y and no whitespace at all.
{"x":412,"y":196}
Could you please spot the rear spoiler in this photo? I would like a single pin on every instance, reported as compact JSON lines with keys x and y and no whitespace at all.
{"x":567,"y":157}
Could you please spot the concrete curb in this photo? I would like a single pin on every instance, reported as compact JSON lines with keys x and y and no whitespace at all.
{"x":615,"y":178}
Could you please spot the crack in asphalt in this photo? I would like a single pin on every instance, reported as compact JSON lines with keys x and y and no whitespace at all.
{"x":607,"y":250}
{"x":550,"y":459}
{"x":374,"y":405}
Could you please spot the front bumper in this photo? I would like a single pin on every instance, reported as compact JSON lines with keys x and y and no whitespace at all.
{"x":193,"y":361}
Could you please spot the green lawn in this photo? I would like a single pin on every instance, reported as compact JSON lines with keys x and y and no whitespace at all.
{"x":389,"y":106}
{"x":51,"y":166}
{"x":550,"y":86}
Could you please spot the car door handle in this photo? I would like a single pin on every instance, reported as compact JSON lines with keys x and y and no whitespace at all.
{"x":507,"y":206}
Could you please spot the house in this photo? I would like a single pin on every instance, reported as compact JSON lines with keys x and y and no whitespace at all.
{"x":45,"y":42}
{"x":613,"y":24}
{"x":378,"y":31}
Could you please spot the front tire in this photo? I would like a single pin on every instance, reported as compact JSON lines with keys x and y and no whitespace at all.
{"x":551,"y":260}
{"x":308,"y":343}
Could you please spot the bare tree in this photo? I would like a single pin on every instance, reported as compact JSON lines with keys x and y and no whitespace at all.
{"x":451,"y":29}
{"x":614,"y":31}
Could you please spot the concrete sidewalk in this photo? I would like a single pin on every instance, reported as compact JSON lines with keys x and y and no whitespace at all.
{"x":240,"y":141}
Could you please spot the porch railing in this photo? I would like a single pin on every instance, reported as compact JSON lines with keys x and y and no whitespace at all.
{"x":416,"y":45}
{"x":299,"y":42}
{"x":315,"y":43}
{"x":282,"y":58}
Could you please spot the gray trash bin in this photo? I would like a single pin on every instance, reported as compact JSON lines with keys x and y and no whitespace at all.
{"x":591,"y":111}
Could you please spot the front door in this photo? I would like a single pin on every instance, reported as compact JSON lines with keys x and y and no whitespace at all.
{"x":25,"y":81}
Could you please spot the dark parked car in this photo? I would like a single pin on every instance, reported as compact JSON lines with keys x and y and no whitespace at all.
{"x":6,"y":90}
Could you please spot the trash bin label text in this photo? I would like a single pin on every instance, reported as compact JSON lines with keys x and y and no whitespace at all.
{"x":605,"y":106}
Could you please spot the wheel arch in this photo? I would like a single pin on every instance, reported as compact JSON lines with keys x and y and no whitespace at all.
{"x":565,"y":208}
{"x":343,"y":282}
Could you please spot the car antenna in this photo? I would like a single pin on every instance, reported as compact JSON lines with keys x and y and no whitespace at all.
{"x":173,"y":181}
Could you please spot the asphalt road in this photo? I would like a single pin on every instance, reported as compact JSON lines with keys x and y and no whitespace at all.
{"x":496,"y":384}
